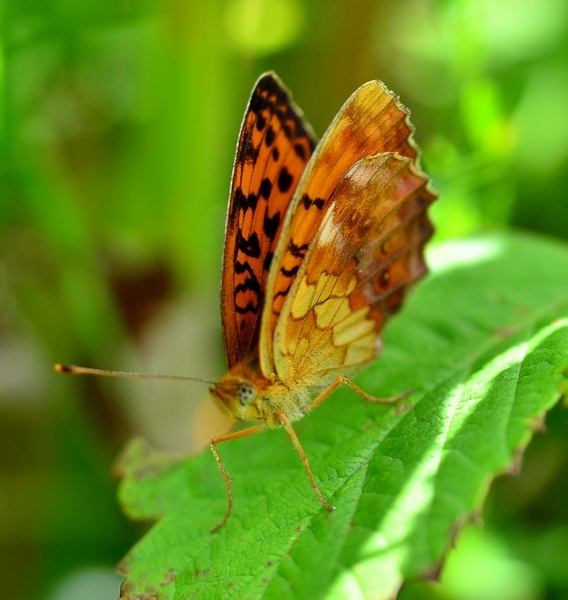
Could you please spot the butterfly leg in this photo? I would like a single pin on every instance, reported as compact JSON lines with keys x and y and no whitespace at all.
{"x":288,"y":426}
{"x":367,"y":397}
{"x":225,"y":438}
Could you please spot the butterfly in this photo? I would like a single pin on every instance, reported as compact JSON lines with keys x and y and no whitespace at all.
{"x":322,"y":243}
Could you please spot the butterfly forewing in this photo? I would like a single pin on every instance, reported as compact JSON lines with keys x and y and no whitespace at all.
{"x":365,"y":254}
{"x":274,"y":146}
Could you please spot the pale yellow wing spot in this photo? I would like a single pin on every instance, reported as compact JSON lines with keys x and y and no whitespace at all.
{"x":352,"y":326}
{"x":331,"y":311}
{"x":304,"y":299}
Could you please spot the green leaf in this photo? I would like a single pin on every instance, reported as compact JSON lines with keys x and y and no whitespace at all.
{"x":483,"y":342}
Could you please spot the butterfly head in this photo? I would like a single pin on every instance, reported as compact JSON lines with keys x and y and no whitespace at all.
{"x":237,"y":396}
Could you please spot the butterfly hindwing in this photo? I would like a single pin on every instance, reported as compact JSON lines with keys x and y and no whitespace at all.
{"x":274,"y":146}
{"x":366,"y":252}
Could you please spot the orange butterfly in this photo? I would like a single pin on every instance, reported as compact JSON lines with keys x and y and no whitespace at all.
{"x":322,"y":243}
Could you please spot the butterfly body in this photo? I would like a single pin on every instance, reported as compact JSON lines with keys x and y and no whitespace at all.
{"x":246,"y":395}
{"x":322,"y":243}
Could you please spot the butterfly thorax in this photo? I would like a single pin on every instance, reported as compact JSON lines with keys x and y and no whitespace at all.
{"x":245,"y":394}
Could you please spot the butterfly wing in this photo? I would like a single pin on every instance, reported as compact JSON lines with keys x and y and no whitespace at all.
{"x":366,"y":252}
{"x":275,"y":143}
{"x":372,"y":121}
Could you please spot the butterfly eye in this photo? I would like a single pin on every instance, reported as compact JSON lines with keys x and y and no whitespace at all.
{"x":247,"y":393}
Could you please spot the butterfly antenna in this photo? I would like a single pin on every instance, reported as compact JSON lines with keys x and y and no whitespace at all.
{"x":74,"y":370}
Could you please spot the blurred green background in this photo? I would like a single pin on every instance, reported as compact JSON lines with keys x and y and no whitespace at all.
{"x":118,"y":125}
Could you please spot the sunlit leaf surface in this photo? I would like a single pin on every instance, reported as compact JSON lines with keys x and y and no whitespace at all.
{"x":484,"y":345}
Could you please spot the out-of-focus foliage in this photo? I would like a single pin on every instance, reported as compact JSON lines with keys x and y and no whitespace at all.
{"x":118,"y":122}
{"x":489,"y":78}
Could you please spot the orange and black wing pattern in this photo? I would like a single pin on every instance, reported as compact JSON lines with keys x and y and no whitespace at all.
{"x":275,"y":144}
